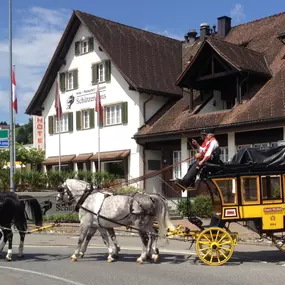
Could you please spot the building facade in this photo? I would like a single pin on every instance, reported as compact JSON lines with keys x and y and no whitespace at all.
{"x":85,"y":60}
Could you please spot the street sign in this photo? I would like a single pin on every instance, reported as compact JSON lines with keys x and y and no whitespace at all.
{"x":4,"y":143}
{"x":4,"y":134}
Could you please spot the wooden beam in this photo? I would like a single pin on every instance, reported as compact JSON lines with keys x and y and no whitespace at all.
{"x":215,"y":75}
{"x":191,"y":100}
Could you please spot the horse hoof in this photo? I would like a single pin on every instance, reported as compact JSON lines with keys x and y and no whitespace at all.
{"x":81,"y":255}
{"x":110,"y":259}
{"x":139,"y":261}
{"x":155,"y":258}
{"x":73,"y":259}
{"x":8,"y":259}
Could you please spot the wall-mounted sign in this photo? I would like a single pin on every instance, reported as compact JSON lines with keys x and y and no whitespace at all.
{"x":85,"y":96}
{"x":38,"y":130}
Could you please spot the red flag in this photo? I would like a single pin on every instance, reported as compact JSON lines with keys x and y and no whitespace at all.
{"x":98,"y":106}
{"x":15,"y":103}
{"x":57,"y":103}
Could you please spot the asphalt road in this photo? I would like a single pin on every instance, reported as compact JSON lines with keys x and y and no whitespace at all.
{"x":50,"y":264}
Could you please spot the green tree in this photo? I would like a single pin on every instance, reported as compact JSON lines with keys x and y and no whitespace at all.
{"x":24,"y":133}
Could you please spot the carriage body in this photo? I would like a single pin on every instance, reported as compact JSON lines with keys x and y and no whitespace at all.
{"x":250,"y":190}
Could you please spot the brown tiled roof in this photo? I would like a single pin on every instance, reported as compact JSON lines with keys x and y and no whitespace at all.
{"x":82,"y":157}
{"x":149,"y":62}
{"x":258,"y":40}
{"x":111,"y":155}
{"x":55,"y":159}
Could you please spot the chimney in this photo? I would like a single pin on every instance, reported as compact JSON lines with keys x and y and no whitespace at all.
{"x":224,"y":25}
{"x":204,"y":31}
{"x":192,"y":36}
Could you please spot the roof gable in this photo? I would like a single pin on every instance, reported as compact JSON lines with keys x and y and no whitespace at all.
{"x":149,"y":62}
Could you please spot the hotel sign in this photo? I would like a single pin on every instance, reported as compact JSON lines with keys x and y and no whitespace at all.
{"x":39,"y":130}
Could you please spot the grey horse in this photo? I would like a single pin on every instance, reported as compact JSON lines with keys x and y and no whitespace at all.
{"x":104,"y":211}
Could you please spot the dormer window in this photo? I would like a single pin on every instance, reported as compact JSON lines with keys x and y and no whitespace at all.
{"x":84,"y":46}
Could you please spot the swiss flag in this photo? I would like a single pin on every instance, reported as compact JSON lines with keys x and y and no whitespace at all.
{"x":15,"y":103}
{"x":57,"y":103}
{"x":98,"y":106}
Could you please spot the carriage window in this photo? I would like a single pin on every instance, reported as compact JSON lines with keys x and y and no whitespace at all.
{"x":250,"y":191}
{"x":271,"y":187}
{"x":227,"y":187}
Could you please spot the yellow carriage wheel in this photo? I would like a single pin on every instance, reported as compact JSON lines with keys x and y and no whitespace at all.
{"x":214,"y":246}
{"x":279,"y":242}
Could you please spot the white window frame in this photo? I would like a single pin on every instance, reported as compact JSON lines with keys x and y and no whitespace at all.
{"x":101,"y":72}
{"x":224,"y":157}
{"x":69,"y":85}
{"x":176,"y":170}
{"x":113,"y":114}
{"x":84,"y":49}
{"x":85,"y":119}
{"x":64,"y":124}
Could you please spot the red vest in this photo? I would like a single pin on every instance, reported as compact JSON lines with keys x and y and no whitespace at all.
{"x":207,"y":146}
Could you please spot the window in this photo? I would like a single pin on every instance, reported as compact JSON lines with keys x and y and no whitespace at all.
{"x":271,"y":187}
{"x":86,"y":119}
{"x":116,"y":168}
{"x":250,"y":190}
{"x":227,"y":187}
{"x":101,"y":72}
{"x":113,"y":114}
{"x":66,"y":124}
{"x":84,"y":46}
{"x":63,"y":123}
{"x":68,"y":80}
{"x":176,"y":170}
{"x":224,"y":154}
{"x":63,"y":167}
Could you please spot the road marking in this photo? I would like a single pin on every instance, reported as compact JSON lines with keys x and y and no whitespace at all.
{"x":42,"y":274}
{"x":122,"y":248}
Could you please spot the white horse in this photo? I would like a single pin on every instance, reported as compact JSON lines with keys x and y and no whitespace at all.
{"x":104,"y":211}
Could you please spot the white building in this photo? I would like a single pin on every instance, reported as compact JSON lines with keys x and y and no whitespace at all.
{"x":136,"y":72}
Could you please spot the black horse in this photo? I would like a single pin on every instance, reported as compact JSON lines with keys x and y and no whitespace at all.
{"x":16,"y":210}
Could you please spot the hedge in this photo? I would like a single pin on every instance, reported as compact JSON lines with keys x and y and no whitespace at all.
{"x":62,"y":218}
{"x":200,"y":207}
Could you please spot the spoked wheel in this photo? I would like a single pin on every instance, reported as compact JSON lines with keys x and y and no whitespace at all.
{"x":214,"y":246}
{"x":279,"y":242}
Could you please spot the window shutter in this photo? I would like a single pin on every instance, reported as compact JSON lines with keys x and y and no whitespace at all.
{"x":90,"y":44}
{"x":50,"y":125}
{"x":125,"y":112}
{"x":75,"y":79}
{"x":70,"y":122}
{"x":78,"y":120}
{"x":91,"y":118}
{"x":95,"y":73}
{"x":77,"y":48}
{"x":62,"y":81}
{"x":107,"y":70}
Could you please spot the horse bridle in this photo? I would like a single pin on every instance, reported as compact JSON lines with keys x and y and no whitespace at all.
{"x":64,"y":189}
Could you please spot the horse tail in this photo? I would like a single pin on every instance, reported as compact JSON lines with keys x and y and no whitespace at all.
{"x":32,"y":209}
{"x":162,"y":215}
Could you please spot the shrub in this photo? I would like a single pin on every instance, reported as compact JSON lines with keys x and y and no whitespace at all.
{"x":127,"y":190}
{"x":63,"y":218}
{"x":200,"y":207}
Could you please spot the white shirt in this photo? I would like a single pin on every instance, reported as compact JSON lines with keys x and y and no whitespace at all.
{"x":213,"y":146}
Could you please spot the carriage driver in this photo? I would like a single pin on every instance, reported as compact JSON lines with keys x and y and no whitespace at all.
{"x":208,"y":152}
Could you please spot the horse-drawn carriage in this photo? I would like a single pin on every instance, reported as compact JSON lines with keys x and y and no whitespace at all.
{"x":248,"y":190}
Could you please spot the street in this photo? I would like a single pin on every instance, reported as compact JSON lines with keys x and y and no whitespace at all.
{"x":47,"y":261}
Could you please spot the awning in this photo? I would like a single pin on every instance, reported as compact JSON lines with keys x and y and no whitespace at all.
{"x":63,"y":159}
{"x":111,"y":155}
{"x":82,"y":157}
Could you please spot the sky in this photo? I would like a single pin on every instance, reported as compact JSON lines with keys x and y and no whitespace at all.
{"x":38,"y":26}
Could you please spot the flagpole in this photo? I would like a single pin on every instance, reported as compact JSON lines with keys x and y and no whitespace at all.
{"x":12,"y":138}
{"x":59,"y":127}
{"x":14,"y":127}
{"x":98,"y":114}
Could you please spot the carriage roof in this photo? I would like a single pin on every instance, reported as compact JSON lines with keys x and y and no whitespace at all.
{"x":252,"y":161}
